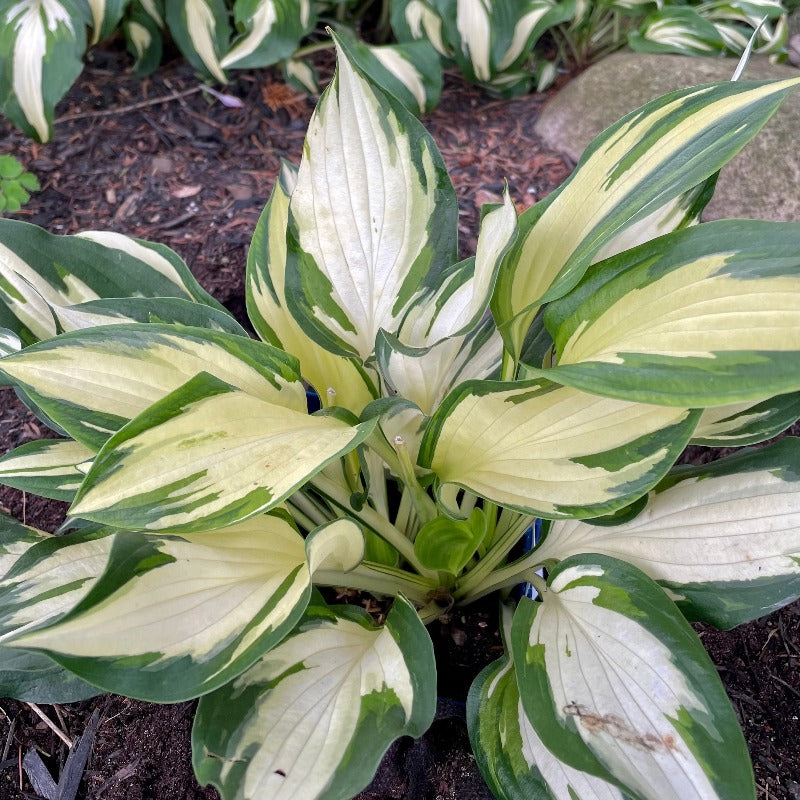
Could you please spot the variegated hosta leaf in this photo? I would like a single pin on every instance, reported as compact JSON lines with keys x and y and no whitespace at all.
{"x":400,"y":421}
{"x":266,"y":265}
{"x":346,"y":548}
{"x":462,"y":297}
{"x":208,"y":455}
{"x":201,"y":30}
{"x":681,"y":212}
{"x":719,"y":26}
{"x":372,"y":218}
{"x":511,"y":83}
{"x":473,"y":44}
{"x":550,"y":450}
{"x":734,"y":38}
{"x":411,"y":72}
{"x":752,"y":10}
{"x":101,"y":264}
{"x":51,"y":574}
{"x":9,"y":342}
{"x":48,"y":467}
{"x":545,"y":75}
{"x":677,"y":29}
{"x":92,"y":381}
{"x":723,"y":539}
{"x":270,"y":30}
{"x":615,"y":683}
{"x":50,"y":577}
{"x":339,"y":545}
{"x":517,"y":33}
{"x":301,"y":75}
{"x":159,"y":267}
{"x":746,"y":423}
{"x":153,"y":9}
{"x":106,"y":15}
{"x":177,"y":616}
{"x":169,"y":310}
{"x":700,"y":317}
{"x":143,"y":27}
{"x":442,"y":340}
{"x":266,"y":305}
{"x":35,"y":678}
{"x":492,"y":41}
{"x":15,"y":539}
{"x":413,"y":20}
{"x":42,"y":43}
{"x":773,"y":39}
{"x":313,"y":717}
{"x":424,"y":375}
{"x":510,"y":754}
{"x":633,"y":168}
{"x":742,"y":25}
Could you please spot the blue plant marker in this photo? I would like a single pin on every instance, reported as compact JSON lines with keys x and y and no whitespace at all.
{"x":529,"y":541}
{"x":312,"y":402}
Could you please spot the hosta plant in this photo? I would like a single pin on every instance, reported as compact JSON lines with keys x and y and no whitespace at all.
{"x":499,"y":43}
{"x":43,"y":42}
{"x":555,"y":375}
{"x":713,"y":28}
{"x":491,"y":41}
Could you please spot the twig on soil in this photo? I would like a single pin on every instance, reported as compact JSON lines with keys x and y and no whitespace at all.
{"x":178,"y":95}
{"x":110,"y":112}
{"x":772,"y":633}
{"x":175,"y":221}
{"x":60,"y":716}
{"x":50,"y":724}
{"x":785,"y":639}
{"x":121,"y":774}
{"x":786,"y":685}
{"x":749,"y":663}
{"x":9,"y":739}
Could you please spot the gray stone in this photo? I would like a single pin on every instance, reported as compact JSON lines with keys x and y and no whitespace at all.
{"x":762,"y":182}
{"x":793,"y":45}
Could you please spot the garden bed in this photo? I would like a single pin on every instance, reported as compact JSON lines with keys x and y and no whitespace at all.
{"x":194,"y":174}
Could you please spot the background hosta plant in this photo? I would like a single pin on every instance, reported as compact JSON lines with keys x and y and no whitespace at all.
{"x":209,"y":508}
{"x":491,"y":41}
{"x":42,"y":44}
{"x":498,"y":43}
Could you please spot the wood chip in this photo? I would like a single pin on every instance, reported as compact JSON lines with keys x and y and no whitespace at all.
{"x":186,"y":191}
{"x":39,"y":776}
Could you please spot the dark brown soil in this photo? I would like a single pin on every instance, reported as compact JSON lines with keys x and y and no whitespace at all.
{"x":193,"y":174}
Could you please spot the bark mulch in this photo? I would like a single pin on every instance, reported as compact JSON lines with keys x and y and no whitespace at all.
{"x":160,"y":159}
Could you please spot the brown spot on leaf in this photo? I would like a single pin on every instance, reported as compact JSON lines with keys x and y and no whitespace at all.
{"x":619,"y":729}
